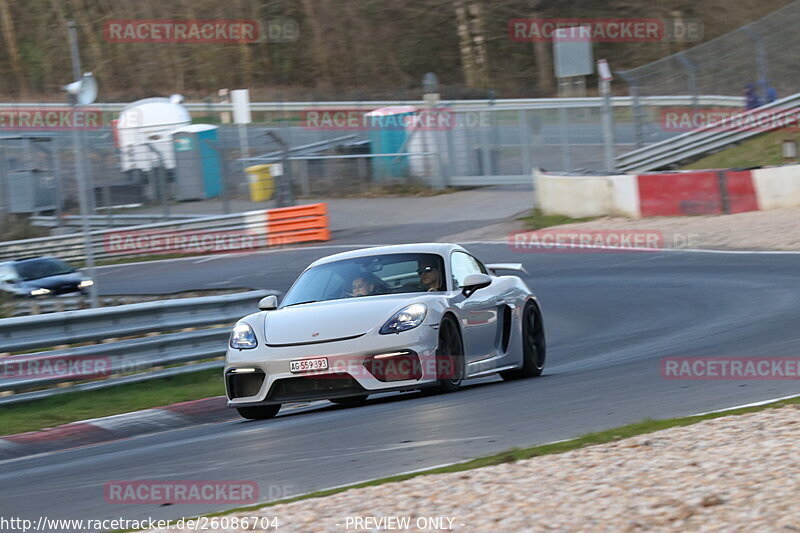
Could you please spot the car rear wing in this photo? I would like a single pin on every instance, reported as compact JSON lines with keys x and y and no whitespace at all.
{"x":516,"y":267}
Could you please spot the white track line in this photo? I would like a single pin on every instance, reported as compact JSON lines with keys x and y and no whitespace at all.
{"x":744,"y":406}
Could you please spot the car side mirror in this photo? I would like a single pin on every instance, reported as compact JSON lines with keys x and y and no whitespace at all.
{"x":473,"y":282}
{"x":268,"y":303}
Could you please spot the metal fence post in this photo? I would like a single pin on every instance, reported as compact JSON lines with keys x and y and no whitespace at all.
{"x":761,"y":57}
{"x":486,"y":167}
{"x":566,"y":155}
{"x":691,"y":77}
{"x":525,"y":140}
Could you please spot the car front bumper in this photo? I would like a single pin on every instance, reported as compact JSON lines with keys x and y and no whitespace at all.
{"x":364,"y":365}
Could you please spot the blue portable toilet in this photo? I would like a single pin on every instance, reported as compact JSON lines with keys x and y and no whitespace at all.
{"x":389,"y":128}
{"x":198,"y":171}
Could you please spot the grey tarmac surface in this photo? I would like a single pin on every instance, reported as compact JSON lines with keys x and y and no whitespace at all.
{"x":610,"y":318}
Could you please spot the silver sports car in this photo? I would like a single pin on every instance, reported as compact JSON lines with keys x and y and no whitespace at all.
{"x":393,"y":318}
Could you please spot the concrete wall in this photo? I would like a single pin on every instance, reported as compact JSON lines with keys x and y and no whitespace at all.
{"x":586,"y":196}
{"x":777,"y":187}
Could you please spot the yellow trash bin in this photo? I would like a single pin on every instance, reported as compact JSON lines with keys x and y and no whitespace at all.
{"x":261,"y":182}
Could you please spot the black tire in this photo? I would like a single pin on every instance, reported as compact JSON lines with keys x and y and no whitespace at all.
{"x":260,"y":412}
{"x":534,"y":346}
{"x":350,"y":401}
{"x":449,"y":356}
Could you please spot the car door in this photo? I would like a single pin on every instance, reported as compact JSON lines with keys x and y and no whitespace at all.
{"x":478,"y":312}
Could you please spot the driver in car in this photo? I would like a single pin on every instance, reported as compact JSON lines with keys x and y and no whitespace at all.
{"x":430,"y":276}
{"x":363,"y":286}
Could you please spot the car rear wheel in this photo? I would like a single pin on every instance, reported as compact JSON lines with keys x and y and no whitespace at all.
{"x":350,"y":401}
{"x":449,"y":356}
{"x":260,"y":412}
{"x":534,"y":347}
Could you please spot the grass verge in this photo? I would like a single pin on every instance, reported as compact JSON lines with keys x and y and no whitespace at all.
{"x":74,"y":406}
{"x":762,"y":150}
{"x":519,"y":454}
{"x":538,"y":220}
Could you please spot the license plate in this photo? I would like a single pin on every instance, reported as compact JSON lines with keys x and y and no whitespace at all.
{"x":308,"y":365}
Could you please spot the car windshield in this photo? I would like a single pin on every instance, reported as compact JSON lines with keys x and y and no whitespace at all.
{"x":368,"y":276}
{"x":42,"y":267}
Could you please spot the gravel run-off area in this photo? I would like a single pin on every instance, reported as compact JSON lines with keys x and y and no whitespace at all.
{"x":777,"y":229}
{"x":734,"y":473}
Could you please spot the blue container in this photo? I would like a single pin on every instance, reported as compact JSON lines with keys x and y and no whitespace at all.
{"x":388,"y":134}
{"x":198,"y":167}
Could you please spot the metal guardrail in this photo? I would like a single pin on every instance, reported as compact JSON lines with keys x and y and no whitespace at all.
{"x":105,"y":220}
{"x":456,"y":105}
{"x":136,"y":357}
{"x":70,"y":247}
{"x":252,"y":228}
{"x":38,"y":306}
{"x":709,"y":138}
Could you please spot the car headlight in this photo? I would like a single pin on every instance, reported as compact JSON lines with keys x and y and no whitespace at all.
{"x":407,"y":318}
{"x":40,"y":292}
{"x":243,"y":337}
{"x":85,"y":283}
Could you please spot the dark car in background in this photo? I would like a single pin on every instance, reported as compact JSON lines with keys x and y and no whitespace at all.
{"x":42,"y":276}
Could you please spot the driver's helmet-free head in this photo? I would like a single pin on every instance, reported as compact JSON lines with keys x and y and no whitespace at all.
{"x":363,"y":285}
{"x":430,"y":274}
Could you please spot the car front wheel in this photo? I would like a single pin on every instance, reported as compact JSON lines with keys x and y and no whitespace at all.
{"x":449,"y":356}
{"x":534,"y":347}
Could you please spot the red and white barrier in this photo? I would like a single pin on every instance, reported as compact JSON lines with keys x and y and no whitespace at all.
{"x":694,"y":192}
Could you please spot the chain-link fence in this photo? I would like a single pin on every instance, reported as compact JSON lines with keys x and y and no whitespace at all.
{"x":286,"y":156}
{"x":763,"y":53}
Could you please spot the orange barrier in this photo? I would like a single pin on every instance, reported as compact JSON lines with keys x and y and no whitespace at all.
{"x":302,"y":223}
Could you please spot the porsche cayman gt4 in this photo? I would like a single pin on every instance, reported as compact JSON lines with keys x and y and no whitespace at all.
{"x":392,"y":318}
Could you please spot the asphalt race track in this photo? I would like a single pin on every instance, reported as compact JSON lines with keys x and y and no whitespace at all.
{"x":609,"y":318}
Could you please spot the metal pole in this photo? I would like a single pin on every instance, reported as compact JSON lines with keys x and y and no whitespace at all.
{"x":566,"y":156}
{"x":284,"y":188}
{"x":525,"y":139}
{"x":56,"y":155}
{"x":243,"y":145}
{"x":224,"y":167}
{"x":761,"y":58}
{"x":5,"y":201}
{"x":691,"y":77}
{"x":77,"y":147}
{"x":636,"y":111}
{"x":161,"y":178}
{"x":73,"y":50}
{"x":608,"y":125}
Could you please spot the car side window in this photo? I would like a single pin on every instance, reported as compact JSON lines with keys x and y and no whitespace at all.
{"x":7,"y":273}
{"x":463,"y":265}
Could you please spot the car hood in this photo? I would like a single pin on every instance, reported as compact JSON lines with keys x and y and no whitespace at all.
{"x":332,"y":320}
{"x":53,"y":282}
